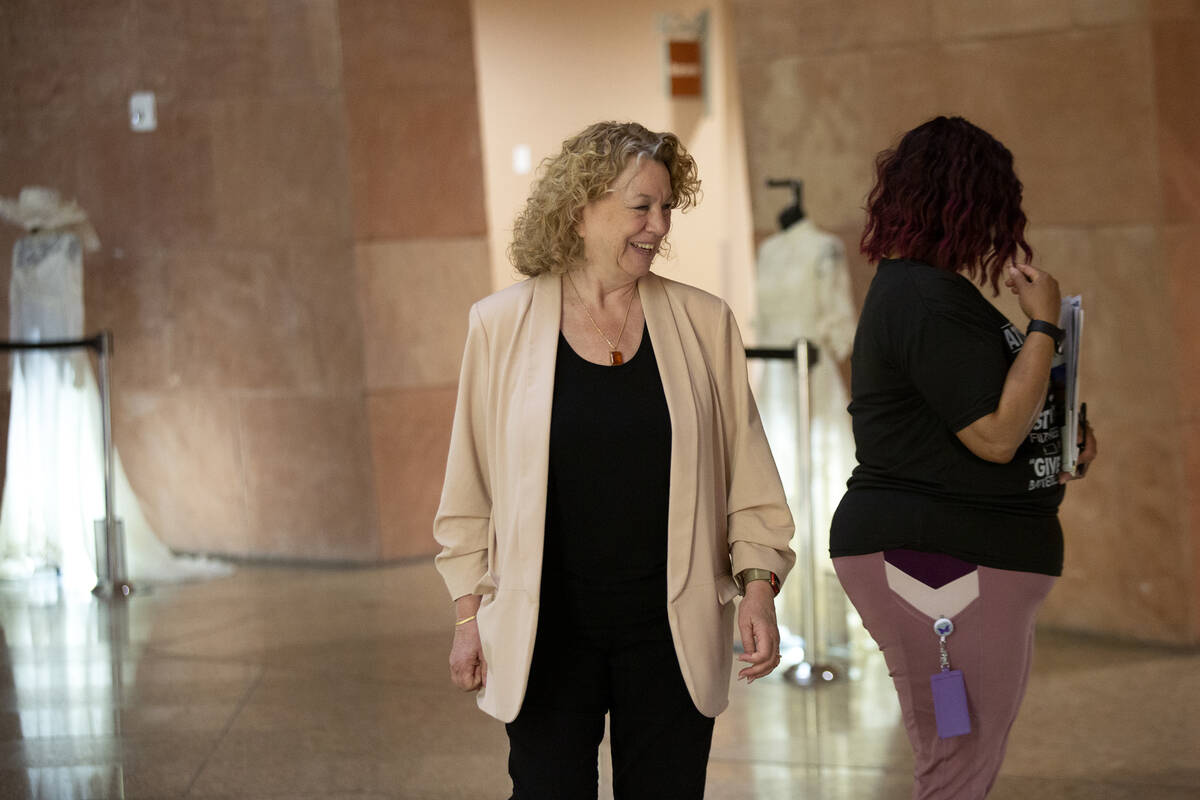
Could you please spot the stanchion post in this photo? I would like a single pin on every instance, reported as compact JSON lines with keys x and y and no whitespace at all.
{"x":814,"y":669}
{"x":806,"y":558}
{"x":116,"y":585}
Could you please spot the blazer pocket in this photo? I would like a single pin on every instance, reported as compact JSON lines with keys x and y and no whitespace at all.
{"x":726,"y":588}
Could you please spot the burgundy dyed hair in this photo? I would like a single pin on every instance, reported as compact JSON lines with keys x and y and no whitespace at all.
{"x":947,"y":195}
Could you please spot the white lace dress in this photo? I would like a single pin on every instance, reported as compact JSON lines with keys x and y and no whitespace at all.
{"x":54,"y":485}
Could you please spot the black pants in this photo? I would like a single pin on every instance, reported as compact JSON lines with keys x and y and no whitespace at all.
{"x":583,"y":668}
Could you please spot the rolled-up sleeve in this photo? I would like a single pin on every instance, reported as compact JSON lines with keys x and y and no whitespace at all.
{"x":760,"y":524}
{"x":462,"y":523}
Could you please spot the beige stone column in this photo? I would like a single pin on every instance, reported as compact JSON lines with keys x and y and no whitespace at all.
{"x":420,"y":245}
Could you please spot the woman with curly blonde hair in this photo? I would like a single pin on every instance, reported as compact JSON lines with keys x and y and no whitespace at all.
{"x":609,"y":489}
{"x":545,"y":236}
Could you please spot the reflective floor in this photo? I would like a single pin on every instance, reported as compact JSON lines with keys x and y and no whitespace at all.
{"x":291,"y":683}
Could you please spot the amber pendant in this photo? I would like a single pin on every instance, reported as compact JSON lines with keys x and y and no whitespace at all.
{"x":615,"y":357}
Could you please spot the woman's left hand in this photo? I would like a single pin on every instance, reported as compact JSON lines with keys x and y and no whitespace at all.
{"x":468,"y":669}
{"x":1085,"y":457}
{"x":759,"y":630}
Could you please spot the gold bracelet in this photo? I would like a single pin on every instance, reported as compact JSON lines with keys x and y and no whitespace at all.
{"x":464,"y":621}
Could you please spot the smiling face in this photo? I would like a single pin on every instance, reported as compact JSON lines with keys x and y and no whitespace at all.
{"x":623,"y":228}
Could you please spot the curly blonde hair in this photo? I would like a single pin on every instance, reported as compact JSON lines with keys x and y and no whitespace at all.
{"x":544,"y":237}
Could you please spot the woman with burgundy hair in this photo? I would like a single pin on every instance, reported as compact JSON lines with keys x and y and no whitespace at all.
{"x":947,"y":540}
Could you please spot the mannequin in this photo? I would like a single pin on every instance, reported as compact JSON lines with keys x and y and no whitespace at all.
{"x":54,"y":483}
{"x":803,"y":291}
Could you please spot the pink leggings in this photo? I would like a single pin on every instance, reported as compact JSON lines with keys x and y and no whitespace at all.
{"x":993,"y":646}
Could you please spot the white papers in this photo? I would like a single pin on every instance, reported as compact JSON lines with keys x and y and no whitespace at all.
{"x":1064,"y":377}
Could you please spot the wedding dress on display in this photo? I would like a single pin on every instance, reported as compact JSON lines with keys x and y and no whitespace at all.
{"x":803,"y":292}
{"x":54,"y":480}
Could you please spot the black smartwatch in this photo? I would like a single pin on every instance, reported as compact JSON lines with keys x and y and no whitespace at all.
{"x":1053,"y":331}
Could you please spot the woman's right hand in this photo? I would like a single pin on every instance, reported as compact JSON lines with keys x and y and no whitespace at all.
{"x":468,"y":670}
{"x":1036,"y":290}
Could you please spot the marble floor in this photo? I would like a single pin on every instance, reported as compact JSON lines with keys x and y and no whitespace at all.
{"x":304,"y":683}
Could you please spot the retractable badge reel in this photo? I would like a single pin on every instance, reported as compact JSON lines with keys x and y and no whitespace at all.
{"x":949,"y":689}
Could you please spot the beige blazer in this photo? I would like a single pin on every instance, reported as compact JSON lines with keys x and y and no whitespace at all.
{"x":726,"y":510}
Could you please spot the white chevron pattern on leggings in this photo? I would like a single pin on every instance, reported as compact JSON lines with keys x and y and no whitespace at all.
{"x":943,"y":602}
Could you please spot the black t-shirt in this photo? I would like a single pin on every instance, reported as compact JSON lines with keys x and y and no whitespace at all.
{"x":931,"y":355}
{"x":608,"y":489}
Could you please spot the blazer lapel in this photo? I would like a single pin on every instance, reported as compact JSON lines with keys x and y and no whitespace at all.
{"x":669,"y":348}
{"x":539,"y":352}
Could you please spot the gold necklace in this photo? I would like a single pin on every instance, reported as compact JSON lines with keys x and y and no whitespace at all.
{"x":614,"y":355}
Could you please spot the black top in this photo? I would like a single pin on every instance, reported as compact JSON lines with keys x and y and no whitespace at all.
{"x":607,"y":498}
{"x":930,"y":357}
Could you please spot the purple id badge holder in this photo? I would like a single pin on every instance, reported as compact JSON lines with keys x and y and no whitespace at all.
{"x":949,"y":690}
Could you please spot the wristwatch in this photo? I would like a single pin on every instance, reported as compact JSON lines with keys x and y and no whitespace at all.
{"x":1050,"y":329}
{"x":755,"y":574}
